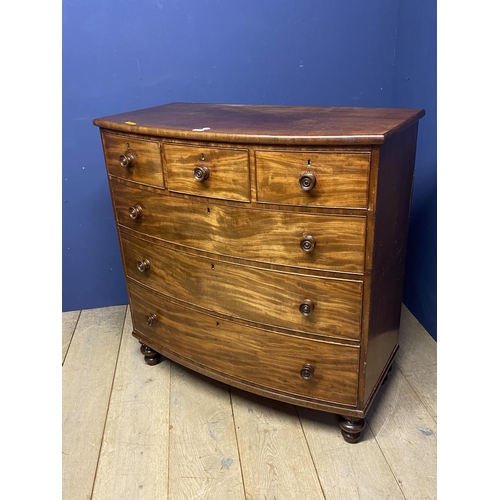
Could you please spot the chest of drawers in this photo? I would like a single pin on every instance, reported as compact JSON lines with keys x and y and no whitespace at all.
{"x":264,"y":246}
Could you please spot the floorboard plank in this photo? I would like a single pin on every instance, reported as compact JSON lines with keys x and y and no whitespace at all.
{"x":87,"y":376}
{"x":417,"y":359}
{"x":69,"y":321}
{"x":133,"y":462}
{"x":406,"y":433}
{"x":275,"y":458}
{"x":347,"y":471}
{"x":204,"y":461}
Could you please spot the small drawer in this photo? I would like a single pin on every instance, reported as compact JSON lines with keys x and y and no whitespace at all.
{"x":133,"y":159}
{"x":324,"y":306}
{"x":313,"y":241}
{"x":291,"y":365}
{"x":313,"y":178}
{"x":208,"y":171}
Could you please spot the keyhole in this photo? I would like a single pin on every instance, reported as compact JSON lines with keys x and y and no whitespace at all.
{"x":308,"y":162}
{"x":208,"y":211}
{"x":213,"y":267}
{"x":216,"y":323}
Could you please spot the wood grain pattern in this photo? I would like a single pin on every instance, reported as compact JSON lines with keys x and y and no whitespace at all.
{"x":278,"y":456}
{"x":407,"y":434}
{"x":392,"y":207}
{"x":86,"y":386}
{"x":347,"y":472}
{"x":69,"y":321}
{"x":133,"y":461}
{"x":228,"y":167}
{"x":305,"y":277}
{"x":341,"y":179}
{"x":417,"y":360}
{"x":262,"y":235}
{"x":265,"y":124}
{"x":147,"y":168}
{"x":263,"y":296}
{"x":263,"y":358}
{"x":203,"y":452}
{"x":275,"y":458}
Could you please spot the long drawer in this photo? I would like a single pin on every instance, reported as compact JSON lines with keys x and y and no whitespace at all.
{"x":291,"y":365}
{"x":324,"y":306}
{"x":305,"y":240}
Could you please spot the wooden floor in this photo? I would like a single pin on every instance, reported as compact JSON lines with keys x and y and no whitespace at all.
{"x":133,"y":431}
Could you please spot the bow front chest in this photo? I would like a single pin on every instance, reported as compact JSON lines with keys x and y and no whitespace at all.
{"x":264,"y":246}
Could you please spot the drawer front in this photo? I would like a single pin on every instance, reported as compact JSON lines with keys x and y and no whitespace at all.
{"x":264,"y":296}
{"x":207,"y":171}
{"x":133,"y":159}
{"x":313,"y":179}
{"x":334,"y":242}
{"x":266,"y":359}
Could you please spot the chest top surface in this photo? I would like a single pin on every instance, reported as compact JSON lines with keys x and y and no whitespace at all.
{"x":265,"y":124}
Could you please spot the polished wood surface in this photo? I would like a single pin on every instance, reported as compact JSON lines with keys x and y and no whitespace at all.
{"x":260,"y":235}
{"x":265,"y":124}
{"x":144,"y":165}
{"x":274,"y":259}
{"x":258,"y":357}
{"x":168,"y":432}
{"x":340,"y":179}
{"x":244,"y":292}
{"x":227,"y":170}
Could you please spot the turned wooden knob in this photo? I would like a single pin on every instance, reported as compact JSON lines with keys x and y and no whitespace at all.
{"x":135,"y":212}
{"x":306,"y":308}
{"x":143,"y":265}
{"x":151,"y":319}
{"x":307,"y":181}
{"x":307,"y":371}
{"x":127,"y":160}
{"x":201,"y":173}
{"x":307,"y":243}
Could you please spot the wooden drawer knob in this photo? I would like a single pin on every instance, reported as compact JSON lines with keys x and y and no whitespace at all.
{"x":307,"y":243}
{"x":127,"y":160}
{"x":143,"y":265}
{"x":135,"y":212}
{"x":201,"y":173}
{"x":151,"y":319}
{"x":307,"y":181}
{"x":307,"y":371}
{"x":307,"y":307}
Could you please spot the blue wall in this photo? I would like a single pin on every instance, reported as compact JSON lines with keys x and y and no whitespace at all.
{"x":122,"y":55}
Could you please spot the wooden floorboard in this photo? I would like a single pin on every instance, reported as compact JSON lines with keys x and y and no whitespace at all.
{"x":69,"y":321}
{"x":406,"y":434}
{"x":87,"y":378}
{"x":133,"y":431}
{"x":346,"y":472}
{"x":204,"y":460}
{"x":133,"y":461}
{"x":275,"y":458}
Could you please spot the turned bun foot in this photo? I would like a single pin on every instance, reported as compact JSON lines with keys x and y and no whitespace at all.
{"x":351,"y":428}
{"x":151,"y":357}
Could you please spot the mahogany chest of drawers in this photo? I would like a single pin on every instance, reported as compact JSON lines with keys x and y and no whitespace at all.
{"x":264,"y":246}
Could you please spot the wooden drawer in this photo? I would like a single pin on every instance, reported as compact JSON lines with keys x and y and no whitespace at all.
{"x":259,"y":357}
{"x":258,"y":235}
{"x":338,"y":179}
{"x":142,"y":159}
{"x":227,"y":171}
{"x":263,"y":296}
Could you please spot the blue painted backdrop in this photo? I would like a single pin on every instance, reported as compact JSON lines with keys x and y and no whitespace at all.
{"x":127,"y":54}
